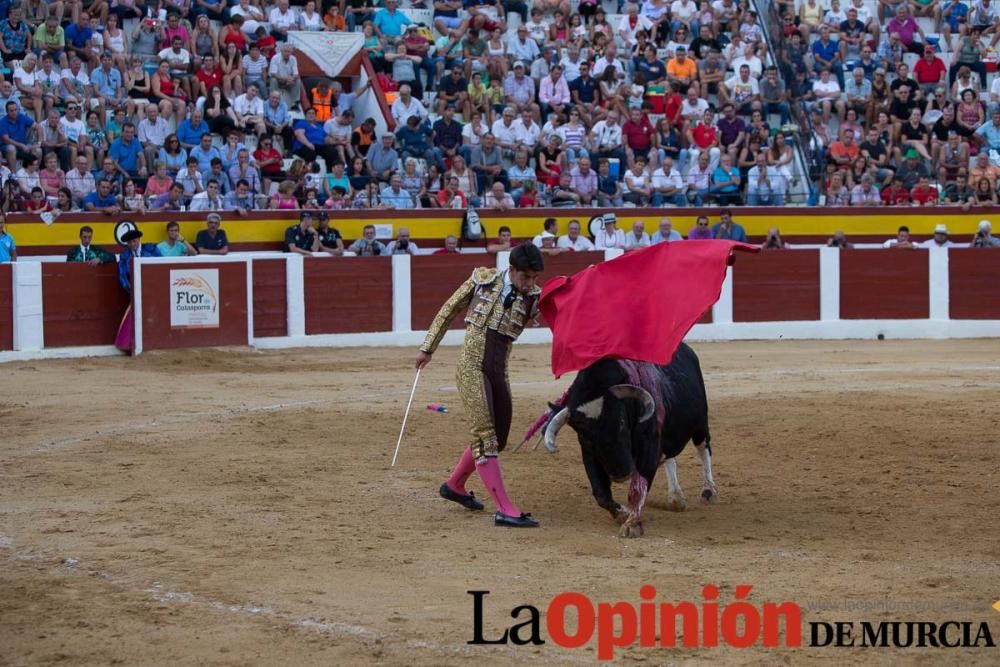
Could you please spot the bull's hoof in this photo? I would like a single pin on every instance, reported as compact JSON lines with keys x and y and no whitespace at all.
{"x":618,"y":513}
{"x":677,"y":503}
{"x":631,"y":530}
{"x":709,"y":496}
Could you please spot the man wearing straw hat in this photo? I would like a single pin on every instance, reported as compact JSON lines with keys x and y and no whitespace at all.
{"x":499,"y":304}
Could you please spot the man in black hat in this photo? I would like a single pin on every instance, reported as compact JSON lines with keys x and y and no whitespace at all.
{"x":302,"y":238}
{"x":134,"y":248}
{"x":330,"y":239}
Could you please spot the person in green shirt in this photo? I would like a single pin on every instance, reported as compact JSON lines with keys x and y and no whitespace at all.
{"x":87,"y":252}
{"x":175,"y":245}
{"x":51,"y":39}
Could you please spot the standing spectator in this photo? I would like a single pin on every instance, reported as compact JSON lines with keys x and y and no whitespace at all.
{"x":212,"y":240}
{"x":665,"y":233}
{"x":86,"y":252}
{"x":302,"y":239}
{"x":175,"y":245}
{"x":727,"y":229}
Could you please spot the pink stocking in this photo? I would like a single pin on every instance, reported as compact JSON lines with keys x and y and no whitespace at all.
{"x":462,"y":471}
{"x":489,"y":472}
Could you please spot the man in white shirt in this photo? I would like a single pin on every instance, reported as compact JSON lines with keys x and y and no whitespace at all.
{"x":152,"y":131}
{"x":180,"y":63}
{"x":742,"y":90}
{"x":606,"y":137}
{"x":497,"y":198}
{"x":637,"y":238}
{"x":940,"y":238}
{"x":284,"y":75}
{"x":209,"y":200}
{"x":80,"y":181}
{"x":550,"y":226}
{"x":521,"y":46}
{"x":632,"y":23}
{"x":249,"y":110}
{"x":749,"y":58}
{"x":406,"y":105}
{"x":74,"y":129}
{"x":681,"y":14}
{"x":526,"y":131}
{"x":668,"y":186}
{"x":666,"y":233}
{"x":339,"y":129}
{"x":505,"y":130}
{"x":610,"y":59}
{"x":573,"y":240}
{"x":765,"y":187}
{"x":693,"y":107}
{"x":282,"y":19}
{"x":571,"y":63}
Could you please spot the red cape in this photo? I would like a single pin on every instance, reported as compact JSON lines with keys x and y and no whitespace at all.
{"x":638,"y":306}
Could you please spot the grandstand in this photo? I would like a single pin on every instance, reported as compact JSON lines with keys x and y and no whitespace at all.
{"x":684,"y":106}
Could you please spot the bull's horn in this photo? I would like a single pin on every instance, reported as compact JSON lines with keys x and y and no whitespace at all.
{"x":552,"y":429}
{"x":624,"y":391}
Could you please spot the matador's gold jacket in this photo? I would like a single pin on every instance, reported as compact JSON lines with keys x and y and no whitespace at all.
{"x":481,"y":293}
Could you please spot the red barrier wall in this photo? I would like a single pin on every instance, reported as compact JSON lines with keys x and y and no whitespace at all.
{"x":974,"y":276}
{"x":348,"y":296}
{"x":433,"y":278}
{"x":884,"y":285}
{"x":157,"y":334}
{"x":774,"y":286}
{"x":6,"y":307}
{"x":270,"y":299}
{"x":83,"y":304}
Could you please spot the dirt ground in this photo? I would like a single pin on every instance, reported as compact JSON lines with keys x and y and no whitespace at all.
{"x":232,"y":508}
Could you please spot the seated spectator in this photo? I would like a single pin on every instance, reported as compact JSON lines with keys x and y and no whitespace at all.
{"x":609,"y":189}
{"x":368,"y":245}
{"x":80,"y":181}
{"x":414,"y":140}
{"x":209,"y":200}
{"x":502,"y":243}
{"x":984,"y":194}
{"x":725,"y":182}
{"x":940,"y":238}
{"x":826,"y":90}
{"x":175,"y":245}
{"x":958,"y":192}
{"x":924,"y":194}
{"x":983,"y":239}
{"x":497,"y":198}
{"x":668,"y":186}
{"x":549,"y":245}
{"x":240,"y":199}
{"x":765,"y":187}
{"x":394,"y":196}
{"x":172,"y":200}
{"x":87,"y":252}
{"x":102,"y":200}
{"x":212,"y":240}
{"x":704,"y":138}
{"x":638,"y":186}
{"x":638,"y":133}
{"x":573,"y":240}
{"x":637,"y":238}
{"x":865,"y":193}
{"x":402,"y":245}
{"x":610,"y":236}
{"x":701,"y":230}
{"x":896,"y":193}
{"x":583,"y":181}
{"x":907,"y":28}
{"x":930,"y":71}
{"x":407,"y":105}
{"x":727,"y":229}
{"x":665,"y":233}
{"x":902,"y":240}
{"x":450,"y":246}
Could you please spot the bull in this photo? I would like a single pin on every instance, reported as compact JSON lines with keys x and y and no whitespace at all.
{"x":630,"y":417}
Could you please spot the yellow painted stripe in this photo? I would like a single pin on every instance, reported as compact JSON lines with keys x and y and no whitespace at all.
{"x":28,"y":231}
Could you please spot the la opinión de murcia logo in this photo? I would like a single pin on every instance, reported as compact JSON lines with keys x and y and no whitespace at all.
{"x":572,"y":620}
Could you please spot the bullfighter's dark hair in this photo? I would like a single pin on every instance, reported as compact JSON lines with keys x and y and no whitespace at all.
{"x":526,"y":257}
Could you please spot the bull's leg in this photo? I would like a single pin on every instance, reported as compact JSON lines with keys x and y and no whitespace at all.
{"x":676,"y":500}
{"x":638,"y":488}
{"x":600,"y":485}
{"x":709,"y":493}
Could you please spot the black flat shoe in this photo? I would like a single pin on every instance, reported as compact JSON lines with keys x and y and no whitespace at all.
{"x":523,"y":521}
{"x":468,"y":501}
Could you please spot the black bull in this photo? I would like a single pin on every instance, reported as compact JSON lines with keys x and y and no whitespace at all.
{"x":632,"y":416}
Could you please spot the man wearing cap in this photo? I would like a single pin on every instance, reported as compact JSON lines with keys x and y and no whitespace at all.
{"x":519,"y":89}
{"x":212,"y":240}
{"x":930,"y":71}
{"x":940,"y":238}
{"x":134,"y":248}
{"x":498,"y":305}
{"x":302,"y":239}
{"x":984,"y":237}
{"x":912,"y":169}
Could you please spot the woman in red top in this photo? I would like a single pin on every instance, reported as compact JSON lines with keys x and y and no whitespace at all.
{"x":166,"y":93}
{"x":232,"y":33}
{"x":268,"y":160}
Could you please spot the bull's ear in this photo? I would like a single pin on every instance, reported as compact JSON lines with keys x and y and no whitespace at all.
{"x":624,"y":391}
{"x":591,"y":409}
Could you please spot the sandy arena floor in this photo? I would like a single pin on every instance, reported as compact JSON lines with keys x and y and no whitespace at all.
{"x":234,"y":508}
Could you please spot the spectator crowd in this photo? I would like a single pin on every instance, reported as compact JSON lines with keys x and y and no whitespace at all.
{"x":168,"y":105}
